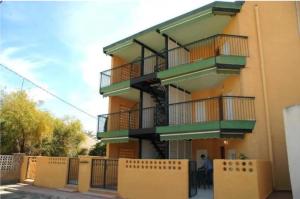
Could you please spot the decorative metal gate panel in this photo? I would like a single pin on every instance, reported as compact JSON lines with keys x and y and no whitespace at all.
{"x":192,"y":178}
{"x":73,"y":171}
{"x":104,"y":174}
{"x":31,"y":168}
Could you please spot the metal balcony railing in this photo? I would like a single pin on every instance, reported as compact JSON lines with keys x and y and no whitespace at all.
{"x":189,"y":112}
{"x":220,"y":44}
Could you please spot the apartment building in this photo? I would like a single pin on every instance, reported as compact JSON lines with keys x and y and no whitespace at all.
{"x":213,"y":81}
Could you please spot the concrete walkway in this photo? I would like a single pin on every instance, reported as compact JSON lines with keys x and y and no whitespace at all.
{"x":204,"y":194}
{"x":28,"y":191}
{"x":281,"y":195}
{"x":24,"y":191}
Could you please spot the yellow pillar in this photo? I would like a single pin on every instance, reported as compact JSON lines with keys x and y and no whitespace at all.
{"x":23,"y":168}
{"x":84,"y":177}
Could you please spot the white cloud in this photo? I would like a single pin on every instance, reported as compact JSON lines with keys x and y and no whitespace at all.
{"x":25,"y":67}
{"x":92,"y":64}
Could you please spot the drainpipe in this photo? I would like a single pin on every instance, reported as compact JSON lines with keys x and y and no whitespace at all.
{"x":264,"y":84}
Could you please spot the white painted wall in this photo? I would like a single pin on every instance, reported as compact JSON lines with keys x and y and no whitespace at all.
{"x":177,"y":56}
{"x":148,"y":150}
{"x":148,"y":114}
{"x":180,"y":149}
{"x":292,"y":133}
{"x":149,"y":62}
{"x":147,"y":100}
{"x":179,"y":114}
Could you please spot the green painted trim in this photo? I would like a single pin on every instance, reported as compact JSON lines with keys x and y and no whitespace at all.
{"x":234,"y":6}
{"x":187,"y":68}
{"x":202,"y":14}
{"x":205,"y":126}
{"x":120,"y":140}
{"x":186,"y":131}
{"x":229,"y":5}
{"x":231,"y":60}
{"x":188,"y":76}
{"x":228,"y":71}
{"x":232,"y":136}
{"x":112,"y":134}
{"x":190,"y":136}
{"x":202,"y":66}
{"x":119,"y":46}
{"x":115,"y":86}
{"x":238,"y":124}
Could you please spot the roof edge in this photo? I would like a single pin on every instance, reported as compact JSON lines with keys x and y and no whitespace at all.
{"x":220,"y":7}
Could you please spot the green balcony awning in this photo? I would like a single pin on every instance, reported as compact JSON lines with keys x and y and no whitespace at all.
{"x":194,"y":25}
{"x":191,"y":135}
{"x":206,"y":130}
{"x":118,"y":136}
{"x":115,"y":140}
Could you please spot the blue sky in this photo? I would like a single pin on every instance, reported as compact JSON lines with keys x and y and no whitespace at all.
{"x":59,"y":46}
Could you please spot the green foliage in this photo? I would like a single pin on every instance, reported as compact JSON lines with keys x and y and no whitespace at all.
{"x":243,"y":156}
{"x":99,"y":149}
{"x":26,"y":129}
{"x":22,"y":123}
{"x":67,"y":135}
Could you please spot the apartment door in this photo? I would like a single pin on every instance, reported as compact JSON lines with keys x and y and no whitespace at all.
{"x":199,"y":159}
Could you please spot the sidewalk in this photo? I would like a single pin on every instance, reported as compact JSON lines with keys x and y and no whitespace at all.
{"x":20,"y":190}
{"x":281,"y":195}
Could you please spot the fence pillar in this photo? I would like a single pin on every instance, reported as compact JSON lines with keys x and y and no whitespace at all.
{"x":84,"y":177}
{"x":18,"y":160}
{"x":23,"y":168}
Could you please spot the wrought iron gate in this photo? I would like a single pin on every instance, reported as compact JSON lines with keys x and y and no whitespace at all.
{"x":104,"y":174}
{"x":192,"y":178}
{"x":31,"y":168}
{"x":73,"y":171}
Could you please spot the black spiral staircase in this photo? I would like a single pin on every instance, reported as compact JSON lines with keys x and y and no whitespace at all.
{"x":162,"y":148}
{"x":149,"y":83}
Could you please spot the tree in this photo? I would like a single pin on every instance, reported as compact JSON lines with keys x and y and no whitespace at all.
{"x":67,"y":136}
{"x":27,"y":129}
{"x":99,"y":149}
{"x":22,"y":124}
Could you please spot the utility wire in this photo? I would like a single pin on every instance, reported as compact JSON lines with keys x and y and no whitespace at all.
{"x":50,"y":93}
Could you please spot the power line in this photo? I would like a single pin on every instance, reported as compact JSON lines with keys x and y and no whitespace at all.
{"x":50,"y":93}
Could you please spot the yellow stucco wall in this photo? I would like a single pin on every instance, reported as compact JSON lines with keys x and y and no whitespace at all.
{"x":123,"y":150}
{"x":275,"y":60}
{"x":247,"y":179}
{"x":51,"y":172}
{"x":148,"y":179}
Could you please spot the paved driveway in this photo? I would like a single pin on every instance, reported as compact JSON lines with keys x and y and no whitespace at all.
{"x":24,"y":191}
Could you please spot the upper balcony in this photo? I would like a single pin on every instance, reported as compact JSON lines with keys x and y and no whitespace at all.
{"x":217,"y":57}
{"x":216,"y":117}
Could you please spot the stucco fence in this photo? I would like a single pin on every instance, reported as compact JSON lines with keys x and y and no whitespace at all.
{"x":10,"y":168}
{"x":247,"y":179}
{"x":153,"y":178}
